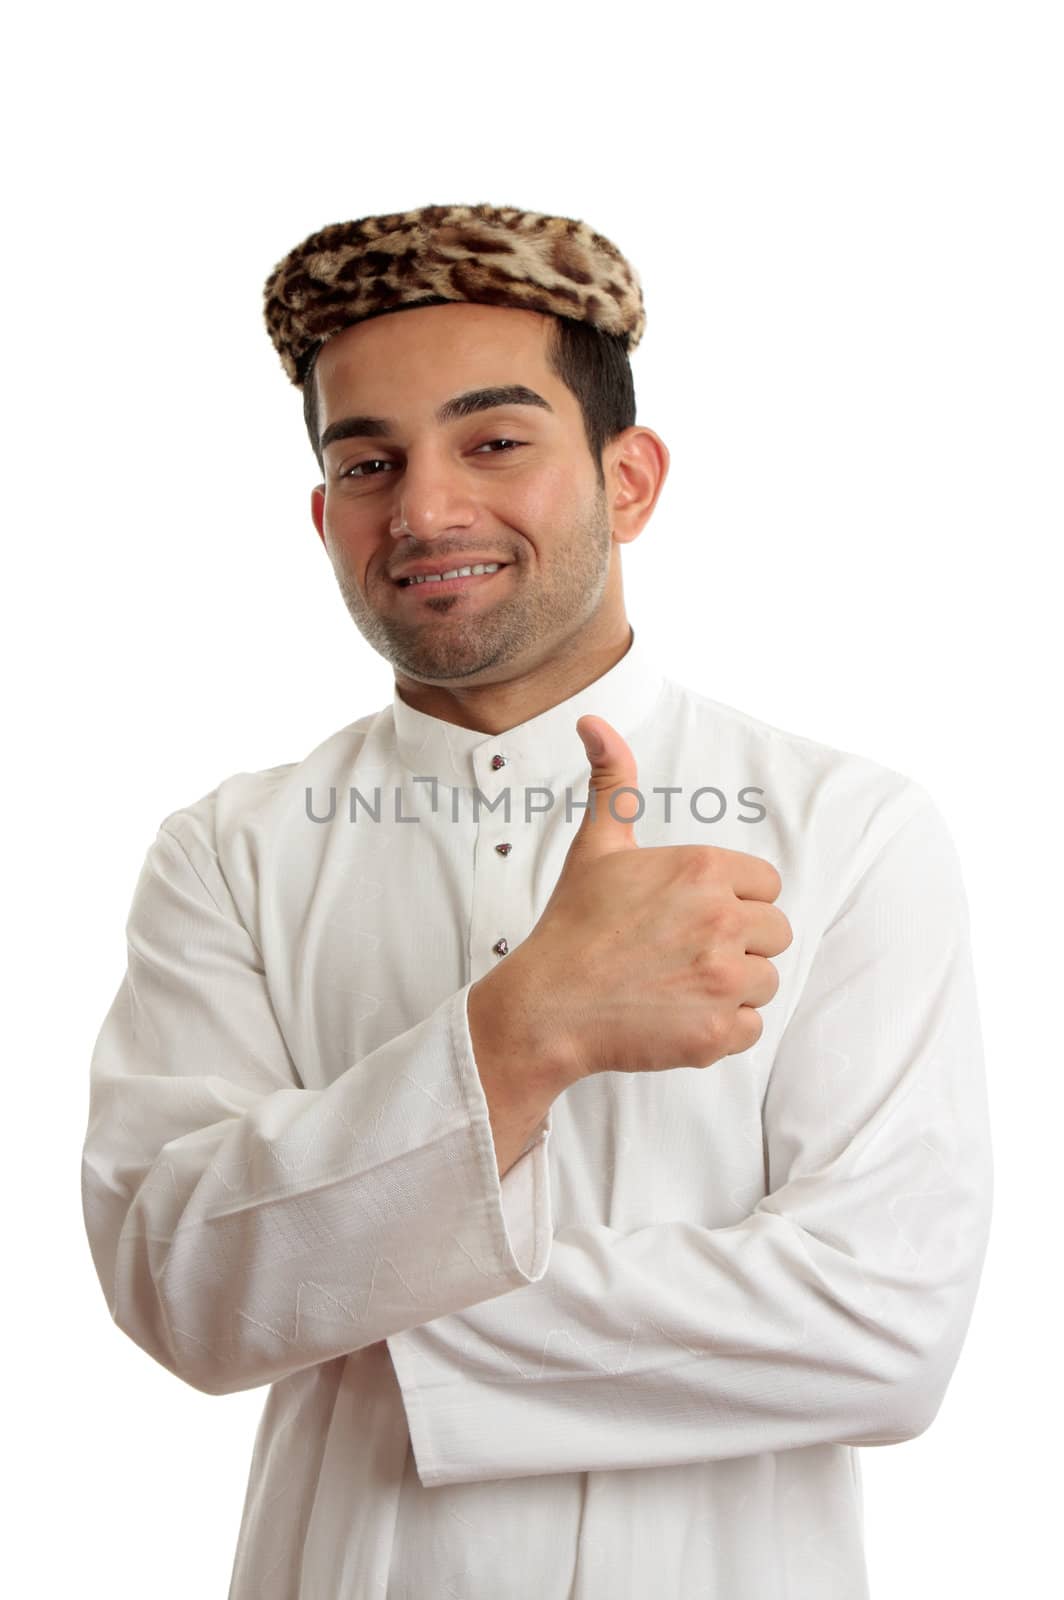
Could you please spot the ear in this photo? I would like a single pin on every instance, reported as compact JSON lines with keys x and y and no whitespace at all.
{"x":317,"y":510}
{"x":636,"y":470}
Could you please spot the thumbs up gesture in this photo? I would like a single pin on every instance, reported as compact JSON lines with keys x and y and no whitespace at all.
{"x":646,"y":959}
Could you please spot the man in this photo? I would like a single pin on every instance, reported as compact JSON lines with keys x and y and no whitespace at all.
{"x":453,"y":1090}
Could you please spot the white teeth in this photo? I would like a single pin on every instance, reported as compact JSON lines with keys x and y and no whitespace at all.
{"x":456,"y":572}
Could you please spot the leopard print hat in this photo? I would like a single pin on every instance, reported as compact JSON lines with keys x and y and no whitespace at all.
{"x":492,"y":255}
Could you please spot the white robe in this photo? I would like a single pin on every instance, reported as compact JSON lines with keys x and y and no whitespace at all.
{"x":642,"y":1362}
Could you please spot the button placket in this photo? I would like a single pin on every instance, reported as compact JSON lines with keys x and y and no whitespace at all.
{"x":498,"y":761}
{"x":492,"y":896}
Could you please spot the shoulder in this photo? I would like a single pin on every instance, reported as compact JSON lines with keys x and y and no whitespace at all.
{"x":830,"y":811}
{"x":226,"y":832}
{"x":816,"y":769}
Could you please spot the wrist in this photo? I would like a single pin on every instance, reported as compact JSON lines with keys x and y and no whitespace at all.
{"x":512,"y":1017}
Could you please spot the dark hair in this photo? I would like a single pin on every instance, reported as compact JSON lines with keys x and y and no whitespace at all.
{"x":592,"y":364}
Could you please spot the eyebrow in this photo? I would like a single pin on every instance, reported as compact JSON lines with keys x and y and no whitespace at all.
{"x":460,"y":405}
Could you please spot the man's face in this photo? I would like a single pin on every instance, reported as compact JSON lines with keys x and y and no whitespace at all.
{"x":452,"y":493}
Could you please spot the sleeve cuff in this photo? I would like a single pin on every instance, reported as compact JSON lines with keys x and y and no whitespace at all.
{"x":523,"y":1193}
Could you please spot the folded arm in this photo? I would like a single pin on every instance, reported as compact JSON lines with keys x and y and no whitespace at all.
{"x":835,"y":1312}
{"x":243,"y":1226}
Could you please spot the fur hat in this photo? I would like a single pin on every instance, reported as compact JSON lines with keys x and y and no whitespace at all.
{"x":491,"y":255}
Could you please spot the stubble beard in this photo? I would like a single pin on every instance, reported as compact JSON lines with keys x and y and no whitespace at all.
{"x":438,"y":639}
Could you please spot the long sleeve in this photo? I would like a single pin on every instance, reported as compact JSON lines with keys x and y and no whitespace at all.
{"x":244,"y":1226}
{"x":835,"y":1311}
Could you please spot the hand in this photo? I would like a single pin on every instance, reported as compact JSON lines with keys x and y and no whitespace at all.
{"x":646,"y":959}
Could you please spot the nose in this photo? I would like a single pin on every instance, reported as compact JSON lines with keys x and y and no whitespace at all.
{"x":426,"y":528}
{"x":431,"y":503}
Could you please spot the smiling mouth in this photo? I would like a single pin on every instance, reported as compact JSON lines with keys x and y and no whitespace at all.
{"x":461,"y":578}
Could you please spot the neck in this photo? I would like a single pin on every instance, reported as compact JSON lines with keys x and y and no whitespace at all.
{"x":497,"y":707}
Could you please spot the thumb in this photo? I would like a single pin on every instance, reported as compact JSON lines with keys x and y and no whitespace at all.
{"x":607,"y":823}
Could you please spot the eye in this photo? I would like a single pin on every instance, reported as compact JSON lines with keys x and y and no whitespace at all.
{"x":356,"y":470}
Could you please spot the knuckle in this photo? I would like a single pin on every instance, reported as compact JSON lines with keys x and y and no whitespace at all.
{"x":697,"y":865}
{"x":711,"y":1040}
{"x":715,"y":970}
{"x":727,"y":920}
{"x":747,"y":1031}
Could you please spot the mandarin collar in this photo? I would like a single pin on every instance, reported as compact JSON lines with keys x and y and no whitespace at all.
{"x":546,"y":747}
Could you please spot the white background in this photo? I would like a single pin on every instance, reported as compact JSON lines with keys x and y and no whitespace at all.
{"x":847,"y":222}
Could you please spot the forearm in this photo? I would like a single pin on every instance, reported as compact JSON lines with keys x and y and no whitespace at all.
{"x":675,"y":1344}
